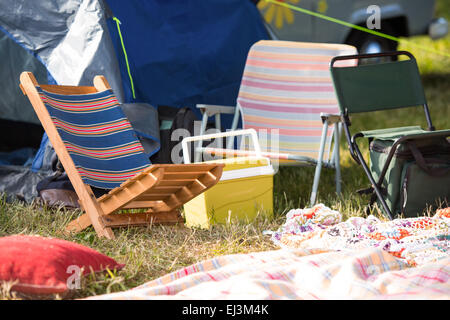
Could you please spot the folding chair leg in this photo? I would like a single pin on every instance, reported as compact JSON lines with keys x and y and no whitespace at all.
{"x":79,"y":224}
{"x":94,"y":214}
{"x":319,"y":164}
{"x":337,"y":158}
{"x":219,"y":129}
{"x":234,"y":124}
{"x":373,"y":183}
{"x":197,"y":155}
{"x":218,"y":122}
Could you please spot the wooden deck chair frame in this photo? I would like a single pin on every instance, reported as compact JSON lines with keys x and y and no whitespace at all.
{"x":159,"y":189}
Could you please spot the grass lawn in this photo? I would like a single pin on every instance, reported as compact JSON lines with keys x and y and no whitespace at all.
{"x":154,"y":251}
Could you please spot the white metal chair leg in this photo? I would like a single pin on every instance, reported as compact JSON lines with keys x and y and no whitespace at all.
{"x":218,"y":122}
{"x":319,"y":164}
{"x":218,"y":129}
{"x":197,"y":155}
{"x":234,"y":125}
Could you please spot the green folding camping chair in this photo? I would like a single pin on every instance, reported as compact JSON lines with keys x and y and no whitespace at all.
{"x":377,"y":87}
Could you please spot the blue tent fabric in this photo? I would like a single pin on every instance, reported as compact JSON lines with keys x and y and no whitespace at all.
{"x":181,"y":52}
{"x":185,"y":52}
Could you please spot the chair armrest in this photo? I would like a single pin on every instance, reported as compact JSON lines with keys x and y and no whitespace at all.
{"x":212,"y":110}
{"x":331,"y":118}
{"x":251,"y":132}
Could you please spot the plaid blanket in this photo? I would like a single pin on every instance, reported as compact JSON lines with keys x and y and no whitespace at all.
{"x":299,"y":274}
{"x":312,"y":266}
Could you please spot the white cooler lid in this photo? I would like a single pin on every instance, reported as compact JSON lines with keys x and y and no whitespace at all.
{"x":244,"y":167}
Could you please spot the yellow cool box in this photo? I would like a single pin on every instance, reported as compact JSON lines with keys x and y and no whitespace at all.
{"x":244,"y":191}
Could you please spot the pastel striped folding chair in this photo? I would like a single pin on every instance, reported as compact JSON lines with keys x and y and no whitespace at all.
{"x":98,"y":148}
{"x":287,"y":96}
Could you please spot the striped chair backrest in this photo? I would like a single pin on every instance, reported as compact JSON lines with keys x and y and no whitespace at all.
{"x":97,"y":135}
{"x":285,"y":86}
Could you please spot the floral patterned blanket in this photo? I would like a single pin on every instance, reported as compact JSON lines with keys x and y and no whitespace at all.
{"x":416,"y":240}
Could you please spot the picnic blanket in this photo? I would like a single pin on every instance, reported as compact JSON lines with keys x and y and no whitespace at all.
{"x":369,"y":260}
{"x":416,"y":240}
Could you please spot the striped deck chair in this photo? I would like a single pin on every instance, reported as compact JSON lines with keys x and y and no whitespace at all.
{"x":98,"y":148}
{"x":287,"y":90}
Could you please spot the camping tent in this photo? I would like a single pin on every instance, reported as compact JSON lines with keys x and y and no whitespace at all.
{"x":172,"y":53}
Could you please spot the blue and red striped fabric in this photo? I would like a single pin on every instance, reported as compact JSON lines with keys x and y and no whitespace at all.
{"x":98,"y":137}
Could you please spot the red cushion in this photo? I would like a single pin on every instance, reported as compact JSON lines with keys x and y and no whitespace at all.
{"x":44,"y":265}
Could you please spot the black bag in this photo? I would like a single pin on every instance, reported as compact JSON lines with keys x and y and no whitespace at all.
{"x":172,"y":119}
{"x":57,"y":190}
